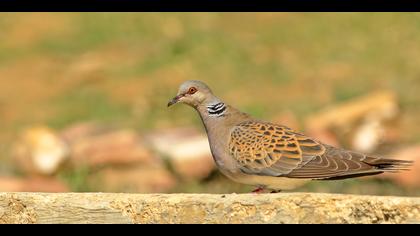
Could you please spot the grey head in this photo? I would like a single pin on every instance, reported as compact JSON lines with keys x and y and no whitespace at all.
{"x":194,"y":93}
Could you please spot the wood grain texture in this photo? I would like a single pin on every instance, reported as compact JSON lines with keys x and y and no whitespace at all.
{"x":205,"y":208}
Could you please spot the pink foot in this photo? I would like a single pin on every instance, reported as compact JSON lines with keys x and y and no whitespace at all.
{"x":258,"y":190}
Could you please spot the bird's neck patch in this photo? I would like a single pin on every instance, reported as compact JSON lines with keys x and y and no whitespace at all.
{"x":217,"y":109}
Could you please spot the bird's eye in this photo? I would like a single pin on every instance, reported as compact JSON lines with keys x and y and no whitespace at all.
{"x":192,"y":90}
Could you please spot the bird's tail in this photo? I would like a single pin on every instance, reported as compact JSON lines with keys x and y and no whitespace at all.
{"x":390,"y":165}
{"x":379,"y":165}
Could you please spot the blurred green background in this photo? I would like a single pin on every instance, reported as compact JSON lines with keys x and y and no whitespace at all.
{"x":120,"y":69}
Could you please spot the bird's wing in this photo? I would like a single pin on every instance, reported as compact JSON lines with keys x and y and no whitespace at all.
{"x":269,"y":149}
{"x":263,"y":148}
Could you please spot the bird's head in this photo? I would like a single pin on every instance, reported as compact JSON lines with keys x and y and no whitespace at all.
{"x":193,"y":93}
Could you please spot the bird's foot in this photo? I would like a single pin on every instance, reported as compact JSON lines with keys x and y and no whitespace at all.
{"x":275,"y":191}
{"x":258,"y":190}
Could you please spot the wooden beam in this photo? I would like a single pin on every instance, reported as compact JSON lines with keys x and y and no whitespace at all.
{"x":206,"y":208}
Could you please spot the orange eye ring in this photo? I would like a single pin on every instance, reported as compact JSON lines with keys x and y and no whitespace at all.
{"x":192,"y":90}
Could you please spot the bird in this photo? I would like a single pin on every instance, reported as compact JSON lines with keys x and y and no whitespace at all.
{"x":269,"y":156}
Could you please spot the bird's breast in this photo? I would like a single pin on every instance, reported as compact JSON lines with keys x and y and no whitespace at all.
{"x":222,"y":158}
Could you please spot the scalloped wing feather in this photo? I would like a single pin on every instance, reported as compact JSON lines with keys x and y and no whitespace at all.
{"x":263,"y":148}
{"x":270,"y":149}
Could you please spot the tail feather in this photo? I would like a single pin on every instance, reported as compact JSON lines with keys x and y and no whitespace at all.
{"x":380,"y":165}
{"x":391,"y":165}
{"x":338,"y":163}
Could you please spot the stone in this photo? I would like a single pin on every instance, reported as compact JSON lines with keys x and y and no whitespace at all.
{"x":138,"y":178}
{"x":186,"y":149}
{"x":118,"y":160}
{"x":361,"y":123}
{"x":120,"y":147}
{"x":75,"y":132}
{"x":34,"y":184}
{"x":39,"y":151}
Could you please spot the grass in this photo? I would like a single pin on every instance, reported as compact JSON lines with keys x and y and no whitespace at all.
{"x":77,"y":179}
{"x":86,"y":104}
{"x":122,"y":68}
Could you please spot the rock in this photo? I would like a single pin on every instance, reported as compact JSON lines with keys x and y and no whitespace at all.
{"x":368,"y":136}
{"x":361,"y":122}
{"x":138,"y":178}
{"x":39,"y":151}
{"x":119,"y":160}
{"x":121,"y":147}
{"x":37,"y":184}
{"x":382,"y":104}
{"x":78,"y":131}
{"x":186,"y":149}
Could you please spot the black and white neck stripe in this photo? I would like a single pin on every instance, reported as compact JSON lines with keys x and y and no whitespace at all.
{"x":217,"y":109}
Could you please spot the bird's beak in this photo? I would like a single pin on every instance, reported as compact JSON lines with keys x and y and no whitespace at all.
{"x":175,"y":100}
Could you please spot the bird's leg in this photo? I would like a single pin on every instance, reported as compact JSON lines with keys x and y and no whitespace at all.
{"x":258,"y":190}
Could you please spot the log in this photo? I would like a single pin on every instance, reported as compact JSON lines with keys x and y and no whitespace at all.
{"x":206,"y":208}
